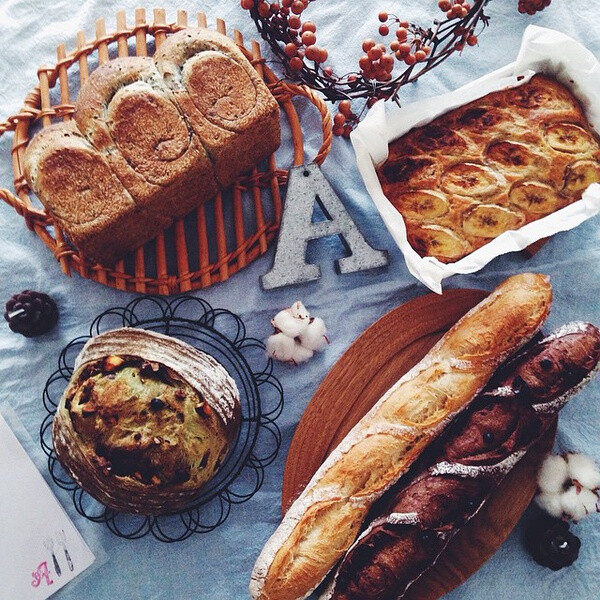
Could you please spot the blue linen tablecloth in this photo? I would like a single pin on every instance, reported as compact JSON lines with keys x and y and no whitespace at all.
{"x":217,"y":565}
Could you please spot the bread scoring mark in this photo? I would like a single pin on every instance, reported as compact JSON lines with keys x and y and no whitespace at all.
{"x":208,"y":76}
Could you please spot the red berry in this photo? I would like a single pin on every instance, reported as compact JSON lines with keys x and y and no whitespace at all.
{"x":309,"y":26}
{"x":375,"y":53}
{"x":345,"y":107}
{"x":294,"y":22}
{"x":472,"y":40}
{"x":384,"y":30}
{"x":339,"y":119}
{"x":404,"y":24}
{"x":247,"y":4}
{"x":387,"y":62}
{"x":401,"y":34}
{"x":368,"y":44}
{"x":296,"y":63}
{"x":264,"y":10}
{"x":297,"y":7}
{"x":383,"y":16}
{"x":338,"y":130}
{"x":364,"y":62}
{"x":323,"y":55}
{"x":290,"y":50}
{"x":328,"y":71}
{"x":420,"y":56}
{"x":444,"y":5}
{"x":308,"y":38}
{"x":312,"y":53}
{"x":410,"y":59}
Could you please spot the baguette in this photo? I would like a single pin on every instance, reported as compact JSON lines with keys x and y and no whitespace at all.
{"x":418,"y":521}
{"x":326,"y":518}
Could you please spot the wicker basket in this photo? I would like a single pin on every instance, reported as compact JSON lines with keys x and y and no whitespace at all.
{"x":219,"y":238}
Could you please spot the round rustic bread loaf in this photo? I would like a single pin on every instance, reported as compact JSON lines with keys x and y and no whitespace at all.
{"x":146,"y":421}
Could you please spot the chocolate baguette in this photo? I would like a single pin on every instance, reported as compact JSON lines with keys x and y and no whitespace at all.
{"x":327,"y":517}
{"x":418,"y":520}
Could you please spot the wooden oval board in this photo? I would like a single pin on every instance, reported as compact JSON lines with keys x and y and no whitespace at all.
{"x":370,"y":366}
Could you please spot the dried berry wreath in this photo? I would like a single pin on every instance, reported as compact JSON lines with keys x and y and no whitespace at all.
{"x":382,"y":69}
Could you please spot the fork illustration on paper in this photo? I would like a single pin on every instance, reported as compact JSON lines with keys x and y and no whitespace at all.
{"x":49,"y":545}
{"x":61,"y":538}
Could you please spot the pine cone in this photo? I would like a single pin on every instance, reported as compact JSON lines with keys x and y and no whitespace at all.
{"x":550,"y":542}
{"x":31,"y":313}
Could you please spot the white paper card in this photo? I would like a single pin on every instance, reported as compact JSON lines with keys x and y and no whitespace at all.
{"x":40,"y":550}
{"x":542,"y":50}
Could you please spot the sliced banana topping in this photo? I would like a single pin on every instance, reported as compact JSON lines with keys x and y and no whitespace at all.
{"x":532,"y":96}
{"x":490,"y":220}
{"x":566,"y":137}
{"x":514,"y":156}
{"x":581,"y":174}
{"x":481,"y":118}
{"x":439,"y":242}
{"x":421,"y":205}
{"x":535,"y":196}
{"x":470,"y":179}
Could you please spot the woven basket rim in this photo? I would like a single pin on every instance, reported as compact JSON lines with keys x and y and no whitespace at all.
{"x":38,"y":107}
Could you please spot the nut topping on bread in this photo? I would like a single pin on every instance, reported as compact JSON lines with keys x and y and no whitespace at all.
{"x":146,"y":421}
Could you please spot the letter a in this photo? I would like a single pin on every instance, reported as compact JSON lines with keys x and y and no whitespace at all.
{"x":307,"y":184}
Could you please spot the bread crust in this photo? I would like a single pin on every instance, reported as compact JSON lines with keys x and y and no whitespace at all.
{"x":235,"y":123}
{"x":417,"y":518}
{"x":83,"y":195}
{"x":162,"y":165}
{"x":144,"y":160}
{"x":493,"y":165}
{"x":146,"y":421}
{"x":325,"y":519}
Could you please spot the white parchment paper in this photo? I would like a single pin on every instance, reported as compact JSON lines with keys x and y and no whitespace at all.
{"x":542,"y":51}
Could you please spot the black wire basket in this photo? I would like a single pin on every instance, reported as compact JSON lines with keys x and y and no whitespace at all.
{"x":222,"y":334}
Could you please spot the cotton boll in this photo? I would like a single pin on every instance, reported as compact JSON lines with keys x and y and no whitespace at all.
{"x":298,"y":310}
{"x":288,"y":324}
{"x":281,"y":347}
{"x":584,"y":470}
{"x":578,"y":503}
{"x":553,"y":474}
{"x":301,"y":354}
{"x":551,"y":503}
{"x":314,"y":337}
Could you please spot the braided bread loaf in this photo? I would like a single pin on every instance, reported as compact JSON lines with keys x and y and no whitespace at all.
{"x":325,"y":520}
{"x":418,"y":521}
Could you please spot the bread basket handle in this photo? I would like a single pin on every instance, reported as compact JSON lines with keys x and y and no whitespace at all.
{"x":283,"y":92}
